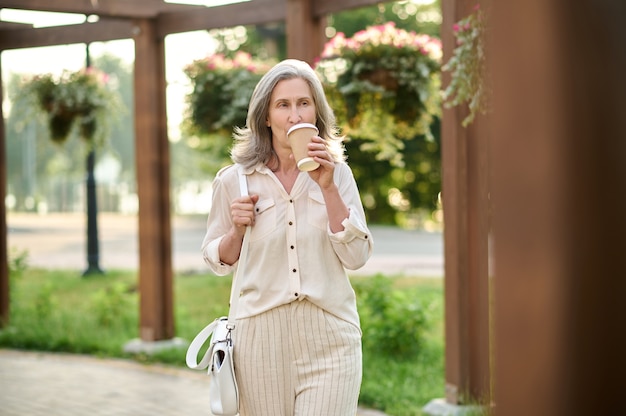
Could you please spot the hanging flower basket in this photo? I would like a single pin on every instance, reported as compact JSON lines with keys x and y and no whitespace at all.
{"x":221,"y":91}
{"x":76,"y":99}
{"x":383,"y":81}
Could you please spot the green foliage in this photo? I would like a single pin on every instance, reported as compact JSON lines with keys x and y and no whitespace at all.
{"x":399,"y":195}
{"x":393,"y":321}
{"x":18,"y":262}
{"x":384,"y":83}
{"x":401,"y":385}
{"x":109,"y":304}
{"x":202,"y":299}
{"x":74,"y":100}
{"x":467,"y":66}
{"x":44,"y":301}
{"x":52,"y":311}
{"x":422,"y":17}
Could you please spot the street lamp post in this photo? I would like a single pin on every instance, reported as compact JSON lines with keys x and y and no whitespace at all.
{"x":93,"y":251}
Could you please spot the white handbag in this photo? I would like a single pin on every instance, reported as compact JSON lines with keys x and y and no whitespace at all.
{"x":223,"y":391}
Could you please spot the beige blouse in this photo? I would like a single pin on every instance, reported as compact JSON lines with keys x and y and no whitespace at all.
{"x":292,"y":254}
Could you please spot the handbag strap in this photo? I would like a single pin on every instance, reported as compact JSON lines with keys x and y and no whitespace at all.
{"x":208,"y":331}
{"x":243,"y":258}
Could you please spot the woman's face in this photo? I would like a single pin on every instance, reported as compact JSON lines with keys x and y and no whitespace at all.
{"x":291,"y":103}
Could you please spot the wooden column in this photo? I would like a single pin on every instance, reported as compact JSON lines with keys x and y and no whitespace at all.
{"x":4,"y":252}
{"x":305,"y":32}
{"x":465,"y":205}
{"x":560,"y":203}
{"x":153,"y":169}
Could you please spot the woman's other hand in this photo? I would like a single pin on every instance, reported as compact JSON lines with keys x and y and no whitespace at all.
{"x":324,"y":174}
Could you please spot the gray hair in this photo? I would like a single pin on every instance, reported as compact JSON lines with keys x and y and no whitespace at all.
{"x":253,"y":143}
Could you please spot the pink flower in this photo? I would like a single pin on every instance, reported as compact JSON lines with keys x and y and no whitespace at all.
{"x":455,"y":27}
{"x":374,"y":38}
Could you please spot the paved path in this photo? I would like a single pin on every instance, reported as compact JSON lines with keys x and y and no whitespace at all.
{"x":59,"y":241}
{"x":38,"y":384}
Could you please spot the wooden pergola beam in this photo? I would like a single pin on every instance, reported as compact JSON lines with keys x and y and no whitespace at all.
{"x":13,"y":26}
{"x":111,"y":8}
{"x":170,"y":18}
{"x":560,"y":199}
{"x":250,"y":13}
{"x":153,"y":8}
{"x":305,"y":32}
{"x":466,"y":216}
{"x":101,"y":31}
{"x":153,"y":190}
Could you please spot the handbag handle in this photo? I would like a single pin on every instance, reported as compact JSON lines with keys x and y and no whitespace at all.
{"x":243,"y":258}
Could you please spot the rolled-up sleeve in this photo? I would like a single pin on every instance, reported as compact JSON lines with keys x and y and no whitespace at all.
{"x":211,"y":255}
{"x":354,"y":244}
{"x":218,"y":223}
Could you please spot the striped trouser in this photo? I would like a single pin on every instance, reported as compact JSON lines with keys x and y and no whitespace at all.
{"x":297,"y":360}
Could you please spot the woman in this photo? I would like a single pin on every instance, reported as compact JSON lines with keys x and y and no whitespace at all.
{"x":298,"y":339}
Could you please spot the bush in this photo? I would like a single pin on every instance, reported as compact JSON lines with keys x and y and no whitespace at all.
{"x":18,"y":262}
{"x":110,"y":305}
{"x":393,"y":321}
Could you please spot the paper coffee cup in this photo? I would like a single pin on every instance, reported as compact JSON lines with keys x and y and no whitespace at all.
{"x":299,"y":137}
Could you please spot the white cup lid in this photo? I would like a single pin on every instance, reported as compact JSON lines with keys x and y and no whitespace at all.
{"x":302,"y":126}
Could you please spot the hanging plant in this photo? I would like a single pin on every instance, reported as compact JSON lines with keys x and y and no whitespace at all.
{"x":74,"y":100}
{"x":383,"y":83}
{"x":467,"y":67}
{"x":221,"y":91}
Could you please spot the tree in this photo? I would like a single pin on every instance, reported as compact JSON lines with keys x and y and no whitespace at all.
{"x":418,"y":16}
{"x":122,"y":140}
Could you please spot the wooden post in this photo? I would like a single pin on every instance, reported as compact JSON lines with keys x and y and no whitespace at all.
{"x":465,"y":205}
{"x":305,"y":32}
{"x":560,"y":196}
{"x":4,"y":252}
{"x":152,"y":156}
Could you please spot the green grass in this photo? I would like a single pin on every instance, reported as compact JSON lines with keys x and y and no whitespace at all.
{"x":64,"y":312}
